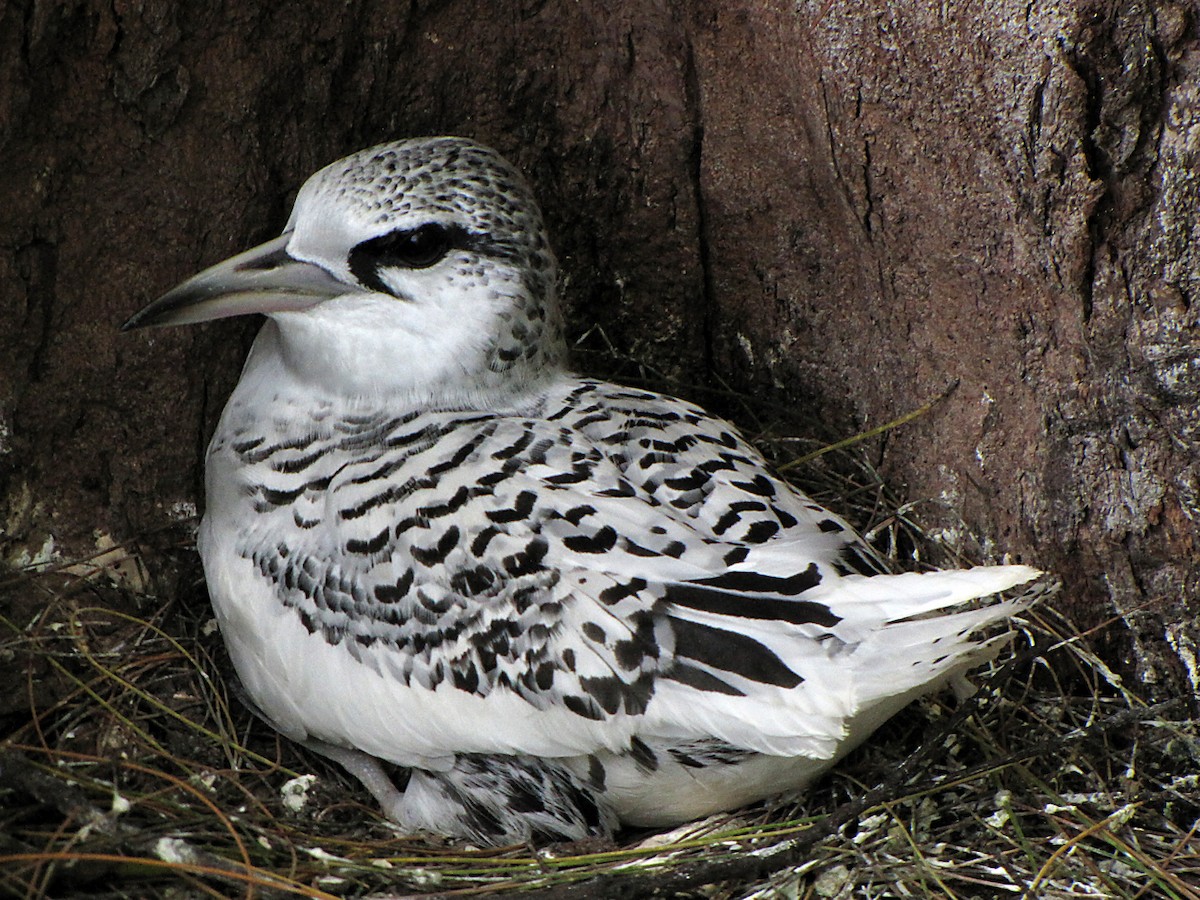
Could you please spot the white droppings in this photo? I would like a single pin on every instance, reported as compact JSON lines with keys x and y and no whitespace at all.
{"x":205,"y":780}
{"x":120,"y":805}
{"x":869,"y":827}
{"x":424,"y":878}
{"x":295,"y":792}
{"x":174,"y":850}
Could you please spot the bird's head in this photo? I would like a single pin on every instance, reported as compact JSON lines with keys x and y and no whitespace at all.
{"x":419,"y":266}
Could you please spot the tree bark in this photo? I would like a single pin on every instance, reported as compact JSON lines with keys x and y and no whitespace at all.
{"x":850,"y":207}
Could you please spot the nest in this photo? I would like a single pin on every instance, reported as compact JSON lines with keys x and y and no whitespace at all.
{"x":127,"y":769}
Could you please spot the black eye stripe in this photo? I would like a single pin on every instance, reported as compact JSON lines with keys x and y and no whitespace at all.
{"x":412,"y":248}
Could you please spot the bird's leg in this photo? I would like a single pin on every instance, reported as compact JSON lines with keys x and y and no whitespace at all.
{"x":363,"y":766}
{"x":368,"y":770}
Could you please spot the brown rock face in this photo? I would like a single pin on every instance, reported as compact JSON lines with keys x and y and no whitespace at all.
{"x":854,"y":208}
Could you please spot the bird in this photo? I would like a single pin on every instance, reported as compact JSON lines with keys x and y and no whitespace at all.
{"x":517,"y":603}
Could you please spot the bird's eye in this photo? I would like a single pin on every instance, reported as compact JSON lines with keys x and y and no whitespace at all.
{"x":414,"y":248}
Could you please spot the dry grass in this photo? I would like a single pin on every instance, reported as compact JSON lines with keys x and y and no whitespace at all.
{"x":126,"y":770}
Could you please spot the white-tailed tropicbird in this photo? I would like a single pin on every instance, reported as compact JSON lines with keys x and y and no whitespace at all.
{"x":559,"y":603}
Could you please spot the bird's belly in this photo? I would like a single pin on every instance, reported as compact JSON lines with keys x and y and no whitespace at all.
{"x":309,"y":687}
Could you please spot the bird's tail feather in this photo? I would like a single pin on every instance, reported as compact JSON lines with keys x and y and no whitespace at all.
{"x":797,"y":671}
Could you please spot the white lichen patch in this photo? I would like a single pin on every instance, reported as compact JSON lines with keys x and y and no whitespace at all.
{"x":1189,"y":654}
{"x":834,"y":883}
{"x":1186,"y":784}
{"x":786,"y":885}
{"x":746,"y":346}
{"x":40,"y":559}
{"x":113,"y":562}
{"x":1003,"y":813}
{"x":986,"y":402}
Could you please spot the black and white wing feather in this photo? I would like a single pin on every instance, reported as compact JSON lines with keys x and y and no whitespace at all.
{"x":616,"y":561}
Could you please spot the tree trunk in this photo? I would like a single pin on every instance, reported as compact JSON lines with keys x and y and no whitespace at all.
{"x":854,"y":208}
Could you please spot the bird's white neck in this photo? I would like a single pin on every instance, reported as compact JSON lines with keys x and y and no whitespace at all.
{"x":363,"y":369}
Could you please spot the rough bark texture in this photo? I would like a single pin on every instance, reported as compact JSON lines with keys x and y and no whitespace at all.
{"x":842,"y":207}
